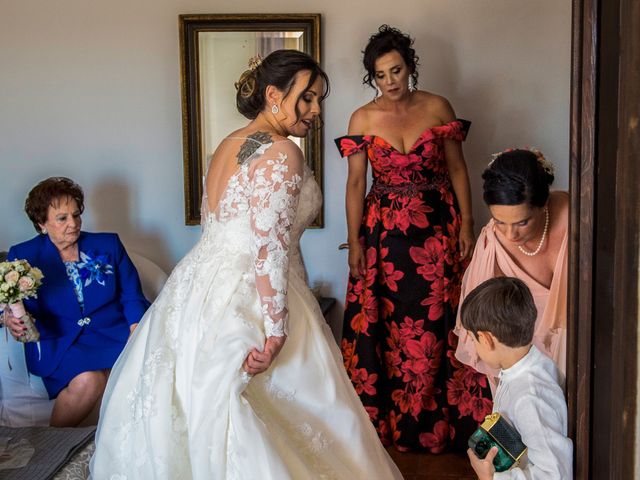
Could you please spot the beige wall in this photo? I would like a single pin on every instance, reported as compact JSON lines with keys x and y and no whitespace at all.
{"x":91,"y":89}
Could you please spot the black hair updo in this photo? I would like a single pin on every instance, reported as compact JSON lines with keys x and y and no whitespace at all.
{"x":384,"y":41}
{"x":517,"y":176}
{"x":279,"y":69}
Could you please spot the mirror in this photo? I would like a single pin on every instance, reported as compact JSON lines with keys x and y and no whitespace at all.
{"x":214,"y":51}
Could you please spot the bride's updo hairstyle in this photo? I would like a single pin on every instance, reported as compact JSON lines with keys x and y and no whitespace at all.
{"x":386,"y":40}
{"x":279,"y":69}
{"x":518,"y":176}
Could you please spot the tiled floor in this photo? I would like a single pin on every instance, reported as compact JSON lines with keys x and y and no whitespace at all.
{"x":423,"y":466}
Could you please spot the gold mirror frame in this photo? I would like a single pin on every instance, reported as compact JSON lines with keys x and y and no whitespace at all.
{"x":195,"y":131}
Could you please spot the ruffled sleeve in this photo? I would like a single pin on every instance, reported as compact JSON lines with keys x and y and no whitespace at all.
{"x":455,"y":130}
{"x":350,"y":144}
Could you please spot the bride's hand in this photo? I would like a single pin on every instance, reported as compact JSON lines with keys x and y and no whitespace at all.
{"x":257,"y":361}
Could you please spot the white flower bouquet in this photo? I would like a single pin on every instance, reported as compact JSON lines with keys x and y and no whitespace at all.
{"x":19,"y":280}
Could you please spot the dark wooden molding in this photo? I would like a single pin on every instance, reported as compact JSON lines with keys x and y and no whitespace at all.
{"x":627,"y":245}
{"x":604,"y":261}
{"x":603,"y":377}
{"x":581,"y":178}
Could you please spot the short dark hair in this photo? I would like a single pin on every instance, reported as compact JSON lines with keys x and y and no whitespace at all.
{"x":48,"y":191}
{"x":279,"y":69}
{"x":516,"y":177}
{"x":502,"y":306}
{"x":384,"y":41}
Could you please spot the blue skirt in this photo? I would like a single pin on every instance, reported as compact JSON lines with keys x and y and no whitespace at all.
{"x":89,"y":352}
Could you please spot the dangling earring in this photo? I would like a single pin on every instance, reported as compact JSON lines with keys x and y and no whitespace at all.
{"x":412,"y":85}
{"x":378,"y":94}
{"x":275,"y":109}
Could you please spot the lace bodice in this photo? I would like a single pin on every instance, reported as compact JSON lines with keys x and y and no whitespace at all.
{"x":265,"y":208}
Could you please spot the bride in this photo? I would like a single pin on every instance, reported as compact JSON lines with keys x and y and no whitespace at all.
{"x":233,"y":373}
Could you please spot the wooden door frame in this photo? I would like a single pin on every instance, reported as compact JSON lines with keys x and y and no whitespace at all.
{"x":603,"y":302}
{"x":581,"y":222}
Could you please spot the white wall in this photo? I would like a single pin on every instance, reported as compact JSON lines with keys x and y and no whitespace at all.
{"x":91,"y":90}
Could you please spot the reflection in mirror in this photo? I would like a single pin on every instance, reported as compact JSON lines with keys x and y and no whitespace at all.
{"x":233,"y":50}
{"x":215,"y":50}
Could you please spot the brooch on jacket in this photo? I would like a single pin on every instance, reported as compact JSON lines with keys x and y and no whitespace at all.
{"x":93,"y":266}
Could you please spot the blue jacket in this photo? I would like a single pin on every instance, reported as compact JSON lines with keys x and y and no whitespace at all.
{"x":108,"y":309}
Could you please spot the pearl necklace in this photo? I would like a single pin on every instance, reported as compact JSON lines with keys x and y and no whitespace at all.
{"x":544,"y":235}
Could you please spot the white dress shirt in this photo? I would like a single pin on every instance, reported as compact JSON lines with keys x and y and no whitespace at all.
{"x":530,"y":398}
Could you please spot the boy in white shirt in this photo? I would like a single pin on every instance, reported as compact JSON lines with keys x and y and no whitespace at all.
{"x":501,"y":316}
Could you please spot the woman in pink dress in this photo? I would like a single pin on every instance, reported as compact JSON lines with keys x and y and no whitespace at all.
{"x":526,"y":238}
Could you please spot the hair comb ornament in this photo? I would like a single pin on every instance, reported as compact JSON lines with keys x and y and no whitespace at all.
{"x":255,"y":62}
{"x":546,"y":165}
{"x":496,"y":431}
{"x":247,"y":82}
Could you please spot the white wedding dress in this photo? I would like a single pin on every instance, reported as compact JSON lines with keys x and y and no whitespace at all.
{"x":178,"y":405}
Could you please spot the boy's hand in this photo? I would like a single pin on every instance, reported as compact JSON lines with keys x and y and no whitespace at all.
{"x":484,"y":467}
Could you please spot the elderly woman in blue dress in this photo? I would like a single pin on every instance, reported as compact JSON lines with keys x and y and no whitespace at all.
{"x":89,"y":303}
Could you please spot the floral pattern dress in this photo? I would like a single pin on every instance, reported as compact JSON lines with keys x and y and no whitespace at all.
{"x":398,"y":343}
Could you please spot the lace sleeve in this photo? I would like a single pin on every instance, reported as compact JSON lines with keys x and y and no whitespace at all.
{"x":275,"y":187}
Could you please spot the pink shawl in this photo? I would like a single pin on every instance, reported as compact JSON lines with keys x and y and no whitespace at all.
{"x":551,"y":325}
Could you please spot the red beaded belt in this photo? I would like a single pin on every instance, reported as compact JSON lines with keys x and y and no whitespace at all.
{"x":410,"y":189}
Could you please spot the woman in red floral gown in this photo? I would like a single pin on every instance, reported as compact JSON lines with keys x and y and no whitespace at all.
{"x":409,"y":241}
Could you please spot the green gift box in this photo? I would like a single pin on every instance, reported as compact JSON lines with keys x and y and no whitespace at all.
{"x":495,"y":431}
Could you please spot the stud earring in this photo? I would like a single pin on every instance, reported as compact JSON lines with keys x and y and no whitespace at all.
{"x":44,"y":231}
{"x":275,"y":109}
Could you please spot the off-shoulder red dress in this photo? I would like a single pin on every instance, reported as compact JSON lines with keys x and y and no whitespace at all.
{"x":398,"y":342}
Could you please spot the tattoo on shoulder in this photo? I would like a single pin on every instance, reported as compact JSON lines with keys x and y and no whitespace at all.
{"x":253,"y":143}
